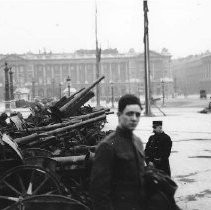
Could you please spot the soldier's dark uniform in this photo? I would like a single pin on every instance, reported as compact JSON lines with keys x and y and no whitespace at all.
{"x":159,"y":147}
{"x":117,"y":173}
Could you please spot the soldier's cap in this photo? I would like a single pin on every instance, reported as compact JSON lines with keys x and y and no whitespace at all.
{"x":157,"y":123}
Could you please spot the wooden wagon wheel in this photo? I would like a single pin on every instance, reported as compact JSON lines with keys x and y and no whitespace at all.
{"x":10,"y":154}
{"x":48,"y":202}
{"x":25,"y":181}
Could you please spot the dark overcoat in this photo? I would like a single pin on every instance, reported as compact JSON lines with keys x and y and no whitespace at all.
{"x":117,"y":173}
{"x":158,"y":150}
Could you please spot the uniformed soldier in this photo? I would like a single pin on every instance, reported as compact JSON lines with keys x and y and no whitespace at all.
{"x":118,"y":167}
{"x":158,"y":149}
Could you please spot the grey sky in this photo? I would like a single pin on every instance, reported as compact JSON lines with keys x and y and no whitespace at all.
{"x":181,"y":26}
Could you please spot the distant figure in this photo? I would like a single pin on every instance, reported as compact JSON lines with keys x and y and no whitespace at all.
{"x":158,"y":149}
{"x":209,"y":106}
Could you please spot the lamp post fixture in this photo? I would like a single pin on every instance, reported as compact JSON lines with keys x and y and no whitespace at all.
{"x":68,"y":84}
{"x":60,"y":90}
{"x":53,"y":87}
{"x":112,"y":94}
{"x":33,"y":89}
{"x":163,"y":91}
{"x":7,"y":91}
{"x":11,"y":84}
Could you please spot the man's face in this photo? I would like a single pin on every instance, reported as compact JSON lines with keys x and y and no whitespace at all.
{"x":130,"y":117}
{"x":157,"y":129}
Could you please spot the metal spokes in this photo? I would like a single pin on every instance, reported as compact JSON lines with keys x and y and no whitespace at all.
{"x":25,"y":181}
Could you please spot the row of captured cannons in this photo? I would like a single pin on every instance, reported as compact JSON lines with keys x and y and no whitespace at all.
{"x":45,"y":159}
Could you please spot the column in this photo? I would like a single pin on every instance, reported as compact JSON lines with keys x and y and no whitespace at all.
{"x":77,"y":73}
{"x":85,"y":72}
{"x":11,"y":84}
{"x":52,"y":71}
{"x":119,"y":72}
{"x":44,"y":81}
{"x":7,"y":96}
{"x":110,"y":72}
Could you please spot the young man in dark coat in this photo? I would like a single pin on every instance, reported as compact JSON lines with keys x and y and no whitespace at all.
{"x":118,"y":167}
{"x":158,"y":149}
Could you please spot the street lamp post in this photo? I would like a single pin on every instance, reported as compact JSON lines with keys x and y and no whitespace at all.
{"x":68,"y":84}
{"x":33,"y":89}
{"x":53,"y":87}
{"x":11,"y":84}
{"x":112,"y":94}
{"x":60,"y":90}
{"x":163,"y":91}
{"x":7,"y":91}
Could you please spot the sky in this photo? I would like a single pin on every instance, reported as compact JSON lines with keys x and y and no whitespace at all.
{"x":181,"y":26}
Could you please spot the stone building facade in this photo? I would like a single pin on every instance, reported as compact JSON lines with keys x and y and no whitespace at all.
{"x":45,"y":74}
{"x":192,"y":74}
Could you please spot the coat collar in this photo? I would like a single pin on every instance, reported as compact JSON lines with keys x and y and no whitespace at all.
{"x":126,"y":133}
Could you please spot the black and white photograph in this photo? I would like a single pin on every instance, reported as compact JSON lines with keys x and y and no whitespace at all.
{"x":105,"y":105}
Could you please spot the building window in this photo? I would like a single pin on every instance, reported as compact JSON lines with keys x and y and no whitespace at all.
{"x":106,"y":72}
{"x":73,"y":73}
{"x":90,"y":75}
{"x":81,"y":73}
{"x":65,"y":71}
{"x":123,"y":72}
{"x":114,"y":71}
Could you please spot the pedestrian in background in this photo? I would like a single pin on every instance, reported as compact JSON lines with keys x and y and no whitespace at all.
{"x":158,"y":149}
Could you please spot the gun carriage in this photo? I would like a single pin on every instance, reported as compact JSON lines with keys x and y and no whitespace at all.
{"x":50,"y":164}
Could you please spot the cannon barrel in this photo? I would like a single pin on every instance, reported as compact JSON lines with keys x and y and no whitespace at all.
{"x":72,"y":109}
{"x":54,"y":126}
{"x":26,"y":139}
{"x":73,"y":120}
{"x":80,"y":159}
{"x":65,"y":99}
{"x":35,"y":136}
{"x":58,"y":130}
{"x":70,"y":159}
{"x":90,"y":115}
{"x":80,"y":95}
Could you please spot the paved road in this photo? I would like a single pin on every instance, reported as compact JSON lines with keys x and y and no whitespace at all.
{"x":191,"y":153}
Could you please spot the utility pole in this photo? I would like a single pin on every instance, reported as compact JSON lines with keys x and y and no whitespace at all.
{"x":98,"y":56}
{"x":146,"y":61}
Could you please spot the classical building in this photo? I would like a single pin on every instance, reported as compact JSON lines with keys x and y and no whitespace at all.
{"x":192,"y":74}
{"x":45,"y":74}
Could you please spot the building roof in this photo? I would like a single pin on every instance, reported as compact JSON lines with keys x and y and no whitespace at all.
{"x":76,"y":55}
{"x":22,"y":91}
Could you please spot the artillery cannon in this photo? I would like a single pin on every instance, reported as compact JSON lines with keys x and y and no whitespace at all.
{"x":47,"y":175}
{"x":55,"y":159}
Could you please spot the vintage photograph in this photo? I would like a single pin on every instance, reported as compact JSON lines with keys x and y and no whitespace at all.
{"x":105,"y":105}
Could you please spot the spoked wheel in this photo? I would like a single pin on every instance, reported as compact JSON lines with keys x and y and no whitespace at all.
{"x":25,"y":181}
{"x":48,"y":202}
{"x":10,"y":155}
